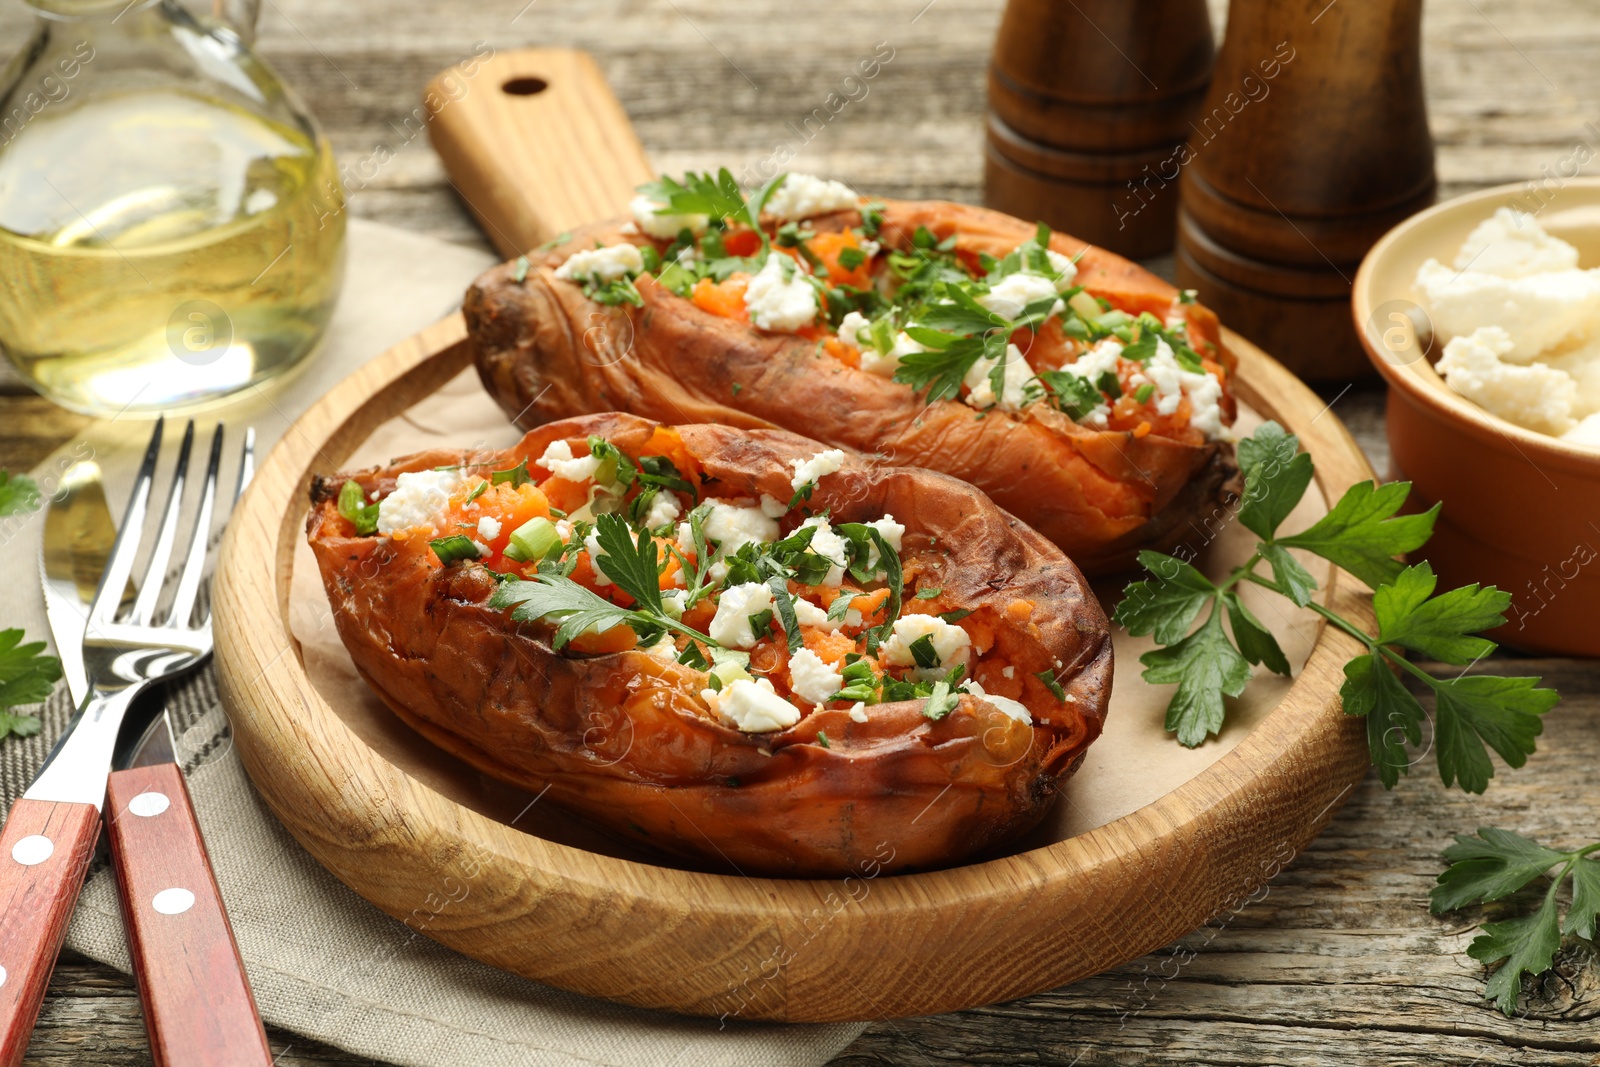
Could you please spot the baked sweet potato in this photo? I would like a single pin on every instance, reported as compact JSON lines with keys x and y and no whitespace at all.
{"x":946,"y":672}
{"x":612,"y":319}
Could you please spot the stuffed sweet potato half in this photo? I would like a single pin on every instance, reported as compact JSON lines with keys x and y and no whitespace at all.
{"x":890,"y":673}
{"x":1082,"y":393}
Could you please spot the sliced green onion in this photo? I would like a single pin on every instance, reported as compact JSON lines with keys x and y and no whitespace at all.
{"x":453,"y":548}
{"x":532,"y":540}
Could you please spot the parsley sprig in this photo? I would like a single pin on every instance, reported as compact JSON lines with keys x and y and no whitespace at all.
{"x":1362,"y":533}
{"x":1496,"y":864}
{"x":19,"y":494}
{"x":631,"y":561}
{"x":26,"y":677}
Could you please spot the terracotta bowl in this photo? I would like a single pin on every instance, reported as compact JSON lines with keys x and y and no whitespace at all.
{"x":1521,"y":510}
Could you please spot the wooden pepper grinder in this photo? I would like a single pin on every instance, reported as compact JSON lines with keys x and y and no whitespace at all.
{"x":1294,"y":175}
{"x":1089,"y":106}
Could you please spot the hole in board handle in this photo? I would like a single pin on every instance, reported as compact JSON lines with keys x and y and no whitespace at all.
{"x":524,"y":85}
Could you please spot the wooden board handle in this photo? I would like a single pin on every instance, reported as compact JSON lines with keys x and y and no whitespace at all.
{"x":535,"y":143}
{"x":45,"y":848}
{"x":198,"y":1007}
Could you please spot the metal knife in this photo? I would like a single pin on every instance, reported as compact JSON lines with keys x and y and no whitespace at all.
{"x":198,"y":1006}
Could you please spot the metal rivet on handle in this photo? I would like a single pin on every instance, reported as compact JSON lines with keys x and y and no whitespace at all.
{"x":33,"y":849}
{"x":173,"y":901}
{"x":150,"y":804}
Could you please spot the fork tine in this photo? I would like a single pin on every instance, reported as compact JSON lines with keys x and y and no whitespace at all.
{"x":114,"y":579}
{"x":199,"y":540}
{"x":247,"y":464}
{"x":155,"y":572}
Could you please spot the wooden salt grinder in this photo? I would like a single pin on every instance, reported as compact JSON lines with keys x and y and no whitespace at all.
{"x":1294,"y":176}
{"x":1089,"y":106}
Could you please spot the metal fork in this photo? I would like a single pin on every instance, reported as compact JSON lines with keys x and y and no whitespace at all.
{"x":50,"y":834}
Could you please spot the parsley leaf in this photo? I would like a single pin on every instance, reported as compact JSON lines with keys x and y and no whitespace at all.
{"x":1048,"y":677}
{"x":19,"y":494}
{"x":1205,"y":665}
{"x":1438,"y":627}
{"x":941,"y":701}
{"x":1477,"y":710}
{"x":1362,"y":533}
{"x":783,"y":600}
{"x":1394,"y":718}
{"x":26,"y":677}
{"x":716,"y":196}
{"x":1255,"y":641}
{"x":1276,"y":474}
{"x":1167,"y":604}
{"x":1498,"y":863}
{"x":518,"y":476}
{"x":633,"y":563}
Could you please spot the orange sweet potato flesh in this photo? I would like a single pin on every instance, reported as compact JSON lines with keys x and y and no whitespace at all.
{"x":545,"y":351}
{"x":625,"y":740}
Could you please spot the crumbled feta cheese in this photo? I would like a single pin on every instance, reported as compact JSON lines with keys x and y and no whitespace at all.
{"x":602,"y":264}
{"x":558,"y":460}
{"x":1062,"y":270}
{"x":812,"y":679}
{"x":730,"y":627}
{"x":1012,"y":294}
{"x":483,"y":549}
{"x":662,"y":648}
{"x":1091,"y":365}
{"x":592,"y":543}
{"x":665,"y":227}
{"x":858,"y":710}
{"x":853,"y":329}
{"x":950,"y":642}
{"x":803,"y":195}
{"x":663,"y":509}
{"x":1172,"y":383}
{"x":891,"y":531}
{"x":869,"y":247}
{"x":732,"y":527}
{"x":829,"y":545}
{"x":753,"y":707}
{"x":772,"y":507}
{"x":1511,"y":244}
{"x":779,"y":298}
{"x":1015,"y":377}
{"x":820,"y":463}
{"x":564,"y":529}
{"x":885,"y":364}
{"x":1534,"y":396}
{"x":417,"y":499}
{"x":1014,"y":708}
{"x":808,"y":614}
{"x":1008,"y":672}
{"x":488,"y":527}
{"x":1537,"y":312}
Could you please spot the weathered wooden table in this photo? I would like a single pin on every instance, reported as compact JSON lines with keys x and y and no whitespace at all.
{"x":1338,"y":960}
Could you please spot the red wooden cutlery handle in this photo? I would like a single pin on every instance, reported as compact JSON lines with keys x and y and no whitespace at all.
{"x":198,"y":1007}
{"x":45,"y":850}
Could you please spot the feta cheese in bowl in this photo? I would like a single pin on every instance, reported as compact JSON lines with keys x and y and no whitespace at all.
{"x":1496,"y":416}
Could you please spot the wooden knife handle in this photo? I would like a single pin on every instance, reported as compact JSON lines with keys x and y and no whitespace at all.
{"x":535,"y":143}
{"x":198,"y":1007}
{"x":45,"y":848}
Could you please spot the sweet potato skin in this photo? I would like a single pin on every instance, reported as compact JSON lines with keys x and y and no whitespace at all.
{"x":544,"y":351}
{"x":624,"y":739}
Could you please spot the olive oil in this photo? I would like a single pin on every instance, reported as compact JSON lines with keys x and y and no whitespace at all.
{"x":161,"y":247}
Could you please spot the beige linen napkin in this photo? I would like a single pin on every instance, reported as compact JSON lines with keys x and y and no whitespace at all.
{"x":324,"y":962}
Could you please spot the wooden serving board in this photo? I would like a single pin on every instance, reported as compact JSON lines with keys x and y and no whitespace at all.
{"x":443,"y":851}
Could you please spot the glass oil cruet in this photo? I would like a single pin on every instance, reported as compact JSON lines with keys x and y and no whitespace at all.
{"x":171,"y":219}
